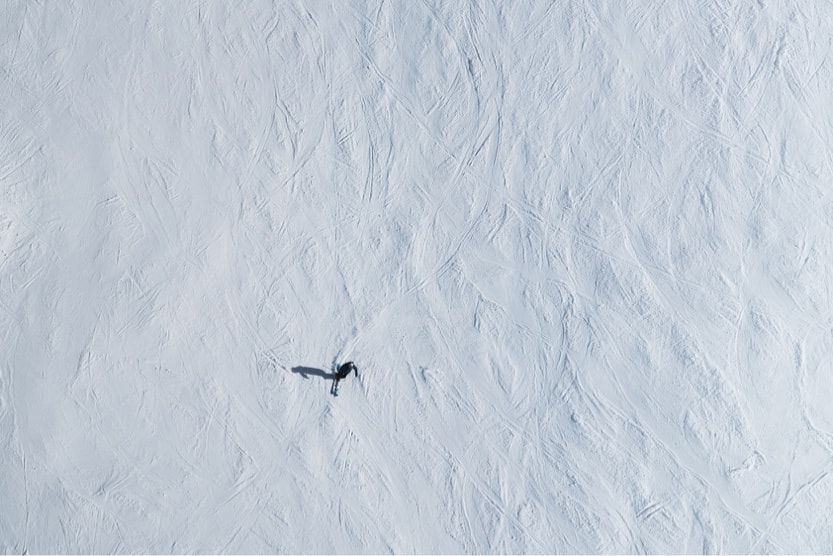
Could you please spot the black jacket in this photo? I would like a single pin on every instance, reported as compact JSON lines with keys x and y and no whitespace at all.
{"x":345,"y":370}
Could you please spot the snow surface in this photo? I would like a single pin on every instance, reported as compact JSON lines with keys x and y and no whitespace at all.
{"x":580,"y":250}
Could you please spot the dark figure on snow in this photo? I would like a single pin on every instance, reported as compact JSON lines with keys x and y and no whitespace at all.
{"x":343,"y":372}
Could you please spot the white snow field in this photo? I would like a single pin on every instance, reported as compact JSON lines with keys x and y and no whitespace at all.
{"x":580,"y":250}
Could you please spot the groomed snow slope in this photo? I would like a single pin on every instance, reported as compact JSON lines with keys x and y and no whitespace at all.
{"x":581,"y":252}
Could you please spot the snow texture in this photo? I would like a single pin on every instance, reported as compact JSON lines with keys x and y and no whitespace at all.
{"x":581,"y":251}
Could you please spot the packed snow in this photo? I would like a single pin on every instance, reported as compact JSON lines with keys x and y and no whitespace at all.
{"x":581,"y":252}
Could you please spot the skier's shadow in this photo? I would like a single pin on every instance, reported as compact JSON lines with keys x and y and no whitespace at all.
{"x":306,"y":372}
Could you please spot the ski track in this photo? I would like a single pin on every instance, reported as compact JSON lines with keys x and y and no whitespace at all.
{"x":579,"y":250}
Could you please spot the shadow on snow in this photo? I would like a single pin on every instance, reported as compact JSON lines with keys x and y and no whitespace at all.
{"x":306,"y":372}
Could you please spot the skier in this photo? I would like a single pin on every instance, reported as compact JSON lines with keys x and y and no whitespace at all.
{"x":343,"y":372}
